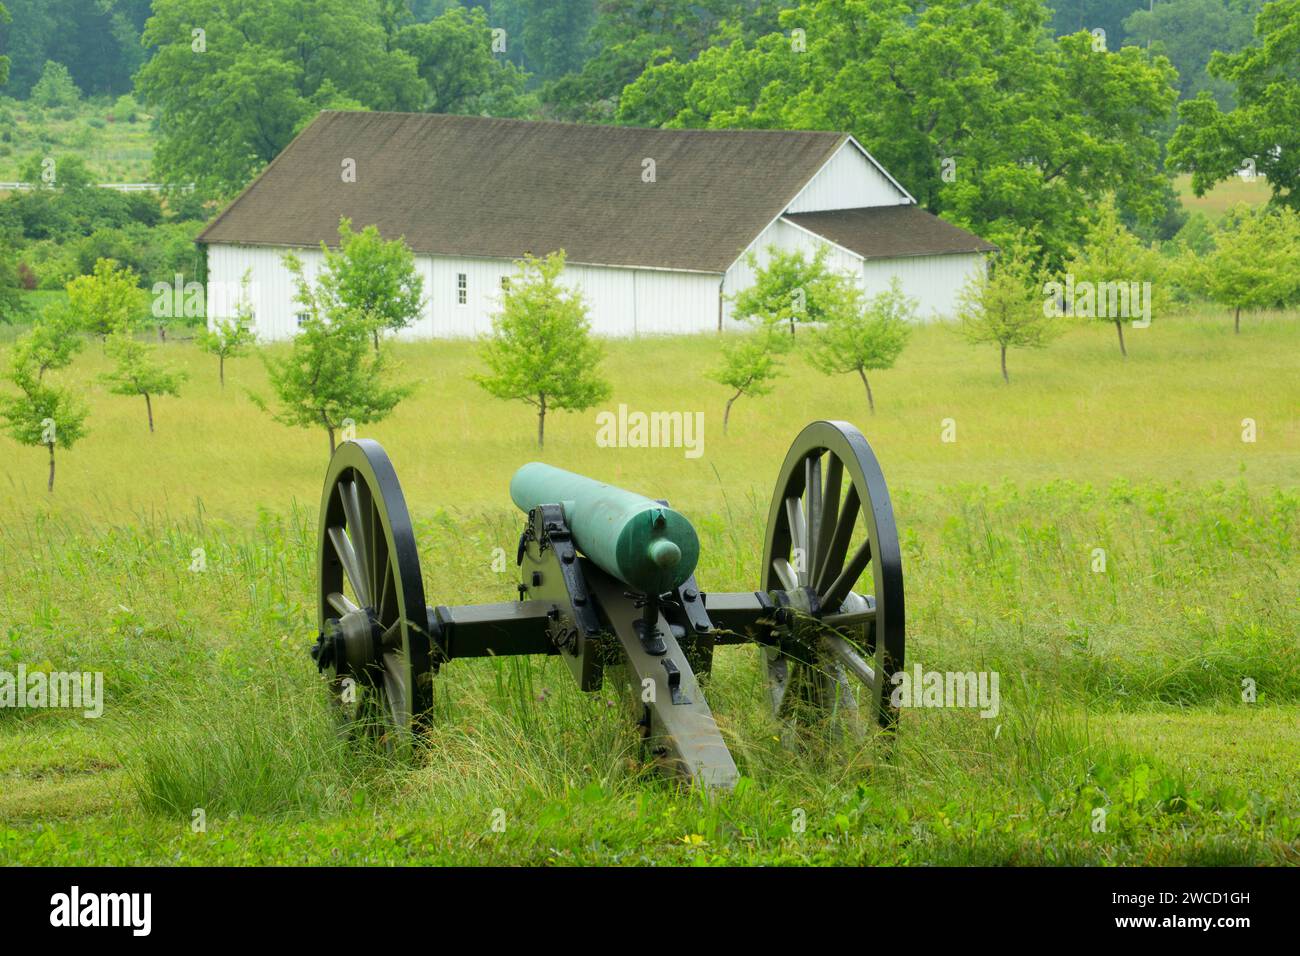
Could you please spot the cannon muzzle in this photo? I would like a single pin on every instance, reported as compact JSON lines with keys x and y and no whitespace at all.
{"x":646,"y":545}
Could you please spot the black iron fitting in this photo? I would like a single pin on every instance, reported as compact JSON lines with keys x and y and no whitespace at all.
{"x":675,"y":682}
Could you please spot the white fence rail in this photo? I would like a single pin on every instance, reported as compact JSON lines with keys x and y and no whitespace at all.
{"x":120,"y":187}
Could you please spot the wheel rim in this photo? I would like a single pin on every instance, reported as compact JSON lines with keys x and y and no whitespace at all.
{"x":371,"y":597}
{"x":831,"y":521}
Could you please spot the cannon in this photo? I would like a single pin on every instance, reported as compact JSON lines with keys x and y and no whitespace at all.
{"x":607,"y":583}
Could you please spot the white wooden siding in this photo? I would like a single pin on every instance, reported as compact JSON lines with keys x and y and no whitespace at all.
{"x":620,"y":302}
{"x":849,"y":180}
{"x":934,"y":281}
{"x":271,"y":288}
{"x":787,"y":238}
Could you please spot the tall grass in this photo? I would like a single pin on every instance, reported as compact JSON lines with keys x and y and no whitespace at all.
{"x":268,"y":748}
{"x":215,"y":705}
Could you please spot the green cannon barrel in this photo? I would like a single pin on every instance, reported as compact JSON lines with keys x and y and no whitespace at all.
{"x":644,"y":544}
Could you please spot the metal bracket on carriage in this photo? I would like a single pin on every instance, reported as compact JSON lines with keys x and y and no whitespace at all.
{"x":647,"y":628}
{"x":547,"y":525}
{"x":689,"y":606}
{"x":675,"y":682}
{"x":562,"y":635}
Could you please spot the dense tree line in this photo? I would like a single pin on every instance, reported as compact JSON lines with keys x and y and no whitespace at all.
{"x":550,"y":40}
{"x":99,"y":42}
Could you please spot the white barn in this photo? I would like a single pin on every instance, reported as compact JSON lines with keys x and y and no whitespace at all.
{"x":655,"y":223}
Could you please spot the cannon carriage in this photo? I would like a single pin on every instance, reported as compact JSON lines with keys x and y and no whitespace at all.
{"x":607,"y":583}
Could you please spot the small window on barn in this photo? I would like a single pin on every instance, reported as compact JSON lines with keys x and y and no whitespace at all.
{"x":462,"y":288}
{"x":303,"y":318}
{"x":505,"y":283}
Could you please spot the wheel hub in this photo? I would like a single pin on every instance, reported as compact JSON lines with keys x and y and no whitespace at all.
{"x":350,"y":643}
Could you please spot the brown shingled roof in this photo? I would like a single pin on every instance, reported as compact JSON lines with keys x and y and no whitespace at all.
{"x":475,"y":186}
{"x":890,"y":232}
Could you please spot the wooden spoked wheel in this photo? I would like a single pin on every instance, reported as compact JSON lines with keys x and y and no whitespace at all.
{"x":373,"y":643}
{"x":831,"y":557}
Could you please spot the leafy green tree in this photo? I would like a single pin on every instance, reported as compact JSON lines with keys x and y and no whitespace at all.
{"x":554,"y":35}
{"x":628,"y":35}
{"x":1110,"y":265}
{"x":540,"y":350}
{"x":55,"y":87}
{"x":99,"y":42}
{"x":1255,"y":263}
{"x":749,"y":365}
{"x":126,"y":108}
{"x":331,"y":376}
{"x":1196,"y":236}
{"x":789,"y":288}
{"x":230,"y":336}
{"x":108,"y":299}
{"x":70,"y":173}
{"x":1188,"y":32}
{"x":1264,"y":128}
{"x":1071,"y":16}
{"x":135,"y":372}
{"x":1005,"y":306}
{"x":372,"y":280}
{"x":862,"y":335}
{"x":51,"y":342}
{"x":453,"y":55}
{"x":4,"y":60}
{"x":229,"y":99}
{"x":970,"y":104}
{"x":41,"y":413}
{"x":12,"y":304}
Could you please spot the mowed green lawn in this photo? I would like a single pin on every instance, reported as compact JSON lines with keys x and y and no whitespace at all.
{"x":1223,"y":196}
{"x":1122,"y":688}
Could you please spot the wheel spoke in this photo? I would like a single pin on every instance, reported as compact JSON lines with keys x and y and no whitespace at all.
{"x":838,"y":591}
{"x":378,"y":547}
{"x":852,"y":661}
{"x":341,"y":603}
{"x":778,"y":678}
{"x":389,"y":587}
{"x":392,"y":636}
{"x":396,"y":691}
{"x":351,"y":499}
{"x":839,"y":546}
{"x":850,"y":618}
{"x":798,"y":537}
{"x":351,"y":567}
{"x":812,"y":500}
{"x":785,"y":573}
{"x":829,"y":514}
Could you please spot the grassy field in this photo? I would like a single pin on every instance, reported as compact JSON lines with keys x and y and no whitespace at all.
{"x":1223,"y":196}
{"x":115,"y":149}
{"x":1120,"y":689}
